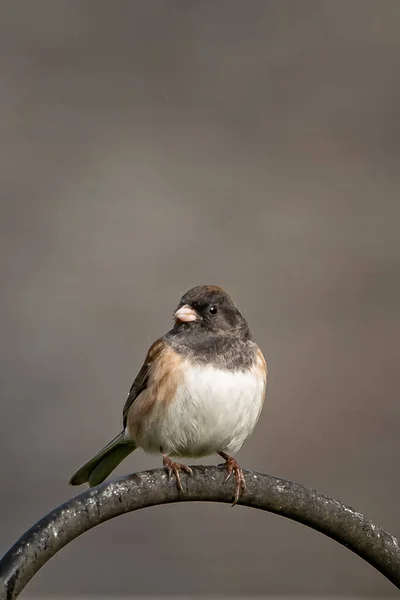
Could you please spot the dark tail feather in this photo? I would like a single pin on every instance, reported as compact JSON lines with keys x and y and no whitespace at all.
{"x":98,"y":468}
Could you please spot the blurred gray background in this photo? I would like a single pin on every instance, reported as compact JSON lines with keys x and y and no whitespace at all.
{"x":149,"y":146}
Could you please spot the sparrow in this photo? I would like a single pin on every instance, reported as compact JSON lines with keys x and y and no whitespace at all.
{"x":199,"y":392}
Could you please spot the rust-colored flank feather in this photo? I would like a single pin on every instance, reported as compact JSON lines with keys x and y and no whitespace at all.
{"x":164,"y":377}
{"x":261,"y":366}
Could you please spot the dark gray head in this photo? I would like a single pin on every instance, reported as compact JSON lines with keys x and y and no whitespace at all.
{"x":209,"y":327}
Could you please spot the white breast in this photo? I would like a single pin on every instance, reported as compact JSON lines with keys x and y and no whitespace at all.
{"x":213,"y":410}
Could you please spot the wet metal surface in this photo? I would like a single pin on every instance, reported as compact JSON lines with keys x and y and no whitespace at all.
{"x":151,"y":488}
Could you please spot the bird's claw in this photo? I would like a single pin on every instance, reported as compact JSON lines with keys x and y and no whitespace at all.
{"x":232,"y":466}
{"x":174,"y":469}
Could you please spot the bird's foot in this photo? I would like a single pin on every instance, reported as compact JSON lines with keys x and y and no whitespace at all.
{"x":174,"y":468}
{"x":232,"y":467}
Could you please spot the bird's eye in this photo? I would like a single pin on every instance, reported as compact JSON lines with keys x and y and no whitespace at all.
{"x":213,"y":309}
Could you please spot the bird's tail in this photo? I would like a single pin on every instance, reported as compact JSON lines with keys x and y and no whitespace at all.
{"x":98,"y":468}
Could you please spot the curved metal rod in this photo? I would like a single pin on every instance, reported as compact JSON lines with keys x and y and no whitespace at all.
{"x":152,"y":488}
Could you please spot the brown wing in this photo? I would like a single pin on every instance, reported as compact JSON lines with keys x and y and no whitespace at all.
{"x":142,"y":378}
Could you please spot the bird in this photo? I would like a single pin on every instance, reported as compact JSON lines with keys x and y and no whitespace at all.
{"x":199,"y":392}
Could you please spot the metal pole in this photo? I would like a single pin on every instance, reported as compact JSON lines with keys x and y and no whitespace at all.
{"x":151,"y":488}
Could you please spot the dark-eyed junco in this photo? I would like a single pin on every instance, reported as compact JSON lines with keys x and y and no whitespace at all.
{"x":199,"y":392}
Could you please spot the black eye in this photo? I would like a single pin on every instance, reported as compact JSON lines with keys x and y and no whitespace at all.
{"x":213,"y":309}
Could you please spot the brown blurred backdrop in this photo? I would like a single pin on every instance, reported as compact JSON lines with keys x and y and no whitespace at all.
{"x":148,"y":146}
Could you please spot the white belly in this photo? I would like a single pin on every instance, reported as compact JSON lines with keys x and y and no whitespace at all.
{"x":213,"y":410}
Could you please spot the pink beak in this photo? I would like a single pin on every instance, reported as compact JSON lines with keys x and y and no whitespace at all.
{"x":186,"y":314}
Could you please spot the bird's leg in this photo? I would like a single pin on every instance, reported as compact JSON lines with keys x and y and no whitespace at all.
{"x":232,"y":467}
{"x":174,"y":468}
